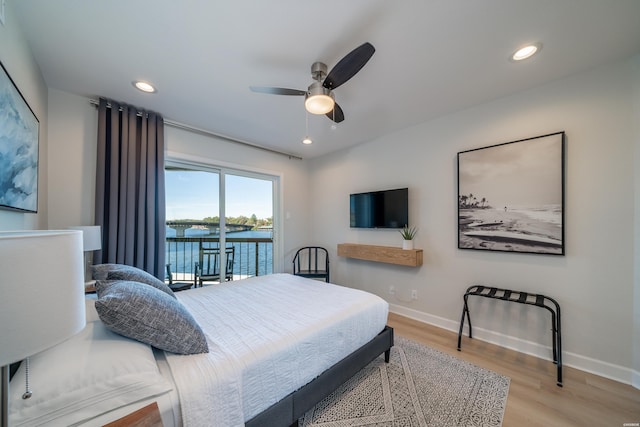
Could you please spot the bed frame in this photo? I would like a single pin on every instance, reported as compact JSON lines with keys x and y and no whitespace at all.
{"x":287,"y":411}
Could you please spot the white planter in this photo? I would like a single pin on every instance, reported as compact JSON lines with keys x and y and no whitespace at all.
{"x":407,"y":244}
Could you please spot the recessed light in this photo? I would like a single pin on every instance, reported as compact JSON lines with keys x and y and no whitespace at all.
{"x":307,"y":140}
{"x":526,"y":52}
{"x":144,"y":86}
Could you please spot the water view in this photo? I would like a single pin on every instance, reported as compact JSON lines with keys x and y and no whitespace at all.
{"x":253,"y":251}
{"x":194,"y":206}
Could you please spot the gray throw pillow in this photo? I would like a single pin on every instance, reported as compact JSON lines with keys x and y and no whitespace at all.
{"x":150,"y":316}
{"x":100,"y":271}
{"x":127,"y":272}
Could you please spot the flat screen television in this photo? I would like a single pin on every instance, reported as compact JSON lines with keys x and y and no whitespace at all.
{"x":380,"y":209}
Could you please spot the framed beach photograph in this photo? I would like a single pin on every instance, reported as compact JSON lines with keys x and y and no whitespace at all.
{"x":19,"y":131}
{"x":511,"y":196}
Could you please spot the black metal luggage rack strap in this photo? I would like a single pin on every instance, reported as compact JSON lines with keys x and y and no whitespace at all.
{"x":521,"y":298}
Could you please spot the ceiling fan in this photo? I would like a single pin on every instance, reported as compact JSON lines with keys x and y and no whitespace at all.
{"x":319,"y":98}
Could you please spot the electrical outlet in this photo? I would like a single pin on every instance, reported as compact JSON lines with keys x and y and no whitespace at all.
{"x":414,"y":294}
{"x":392,"y":290}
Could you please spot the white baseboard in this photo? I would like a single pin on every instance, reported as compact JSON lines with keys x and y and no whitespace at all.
{"x":583,"y":363}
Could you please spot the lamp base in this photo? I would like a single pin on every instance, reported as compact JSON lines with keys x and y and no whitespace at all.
{"x":88,"y":260}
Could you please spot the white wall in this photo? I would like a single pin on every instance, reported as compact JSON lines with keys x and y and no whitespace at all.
{"x":19,"y":63}
{"x":72,"y":153}
{"x":636,"y":258}
{"x":73,"y":133}
{"x":593,"y":282}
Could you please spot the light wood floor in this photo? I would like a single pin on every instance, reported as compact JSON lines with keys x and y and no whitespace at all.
{"x":534,"y":398}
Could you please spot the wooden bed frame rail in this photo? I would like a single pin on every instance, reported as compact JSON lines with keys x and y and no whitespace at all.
{"x":287,"y":411}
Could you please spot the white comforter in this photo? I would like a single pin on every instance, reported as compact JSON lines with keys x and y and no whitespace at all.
{"x":268,"y":336}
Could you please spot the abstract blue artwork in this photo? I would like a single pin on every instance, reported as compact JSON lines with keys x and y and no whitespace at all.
{"x":19,"y":128}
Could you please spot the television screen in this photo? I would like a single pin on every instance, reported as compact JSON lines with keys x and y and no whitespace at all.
{"x":380,"y":209}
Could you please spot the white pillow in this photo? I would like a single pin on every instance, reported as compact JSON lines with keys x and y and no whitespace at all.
{"x":94,"y":372}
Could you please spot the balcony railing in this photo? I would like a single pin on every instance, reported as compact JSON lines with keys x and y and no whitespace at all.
{"x":253,"y":255}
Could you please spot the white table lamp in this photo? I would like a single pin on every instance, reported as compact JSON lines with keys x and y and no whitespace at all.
{"x":42,"y":296}
{"x":91,"y":241}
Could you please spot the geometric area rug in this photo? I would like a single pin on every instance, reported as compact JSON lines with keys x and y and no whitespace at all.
{"x":419,"y":386}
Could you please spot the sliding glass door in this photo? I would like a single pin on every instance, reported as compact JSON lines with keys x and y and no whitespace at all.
{"x":193,"y":218}
{"x":209,"y":209}
{"x":249,"y":203}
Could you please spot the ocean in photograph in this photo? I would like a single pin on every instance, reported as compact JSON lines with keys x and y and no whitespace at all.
{"x":519,"y":228}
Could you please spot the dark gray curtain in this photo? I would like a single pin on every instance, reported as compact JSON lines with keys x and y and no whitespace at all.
{"x":130,"y":201}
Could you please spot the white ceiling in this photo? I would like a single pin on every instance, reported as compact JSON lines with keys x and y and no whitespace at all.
{"x":433,"y":57}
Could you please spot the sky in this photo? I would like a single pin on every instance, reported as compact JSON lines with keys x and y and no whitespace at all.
{"x":194,"y":195}
{"x":527,"y":173}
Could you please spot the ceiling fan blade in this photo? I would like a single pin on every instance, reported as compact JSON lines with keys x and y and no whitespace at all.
{"x":336,"y":114}
{"x":349,"y":66}
{"x":277,"y":90}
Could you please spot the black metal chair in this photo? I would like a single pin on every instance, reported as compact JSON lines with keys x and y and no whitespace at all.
{"x":176,"y":286}
{"x":312,"y":262}
{"x":207,"y":269}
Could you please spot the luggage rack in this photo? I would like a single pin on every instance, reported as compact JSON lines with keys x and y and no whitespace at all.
{"x":522,"y":298}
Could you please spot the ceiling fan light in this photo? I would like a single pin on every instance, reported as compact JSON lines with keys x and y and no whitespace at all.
{"x":319,"y":104}
{"x":319,"y":100}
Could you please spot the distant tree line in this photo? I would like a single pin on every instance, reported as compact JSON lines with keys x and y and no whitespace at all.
{"x":471,"y":202}
{"x":243,"y":220}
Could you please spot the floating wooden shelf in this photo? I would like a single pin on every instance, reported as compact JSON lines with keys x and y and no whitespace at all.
{"x":387,"y":254}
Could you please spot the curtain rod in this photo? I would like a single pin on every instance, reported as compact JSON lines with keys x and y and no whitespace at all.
{"x":210,"y":134}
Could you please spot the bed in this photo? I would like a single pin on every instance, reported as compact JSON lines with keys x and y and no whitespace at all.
{"x":277,"y":345}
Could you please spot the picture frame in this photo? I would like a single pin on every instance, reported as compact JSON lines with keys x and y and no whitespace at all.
{"x":511,"y":196}
{"x":19,"y":145}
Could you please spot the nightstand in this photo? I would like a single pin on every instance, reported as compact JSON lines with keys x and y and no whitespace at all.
{"x":90,"y":287}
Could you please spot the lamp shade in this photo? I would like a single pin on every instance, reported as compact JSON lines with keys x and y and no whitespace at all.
{"x":91,"y":237}
{"x":41,"y":291}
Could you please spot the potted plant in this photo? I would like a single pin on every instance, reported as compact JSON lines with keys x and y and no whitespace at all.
{"x":408,"y":233}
